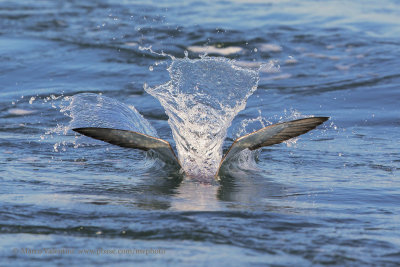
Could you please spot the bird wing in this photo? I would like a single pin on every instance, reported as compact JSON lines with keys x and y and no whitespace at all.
{"x":131,"y":139}
{"x":271,"y":135}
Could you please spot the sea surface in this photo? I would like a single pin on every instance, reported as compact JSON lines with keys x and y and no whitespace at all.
{"x":330,"y":197}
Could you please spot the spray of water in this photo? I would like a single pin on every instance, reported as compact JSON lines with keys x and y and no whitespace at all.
{"x":93,"y":110}
{"x":201,"y":100}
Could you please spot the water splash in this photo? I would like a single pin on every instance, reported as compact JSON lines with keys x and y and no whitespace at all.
{"x":201,"y":100}
{"x":93,"y":110}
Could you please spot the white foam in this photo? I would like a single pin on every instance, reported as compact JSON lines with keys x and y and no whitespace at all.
{"x":20,"y":112}
{"x":270,"y":48}
{"x":226,"y":51}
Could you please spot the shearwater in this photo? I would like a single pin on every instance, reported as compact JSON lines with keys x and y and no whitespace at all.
{"x":201,"y":99}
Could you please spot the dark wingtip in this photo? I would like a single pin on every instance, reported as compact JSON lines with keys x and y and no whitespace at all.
{"x":79,"y":130}
{"x":323,"y":119}
{"x":88,"y":131}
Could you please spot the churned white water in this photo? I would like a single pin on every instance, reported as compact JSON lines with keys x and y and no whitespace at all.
{"x":201,"y":100}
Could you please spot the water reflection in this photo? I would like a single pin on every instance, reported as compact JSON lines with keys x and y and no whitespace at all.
{"x":245,"y":189}
{"x":119,"y":179}
{"x":196,"y":196}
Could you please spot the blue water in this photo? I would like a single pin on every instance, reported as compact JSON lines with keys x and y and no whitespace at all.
{"x":330,"y":197}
